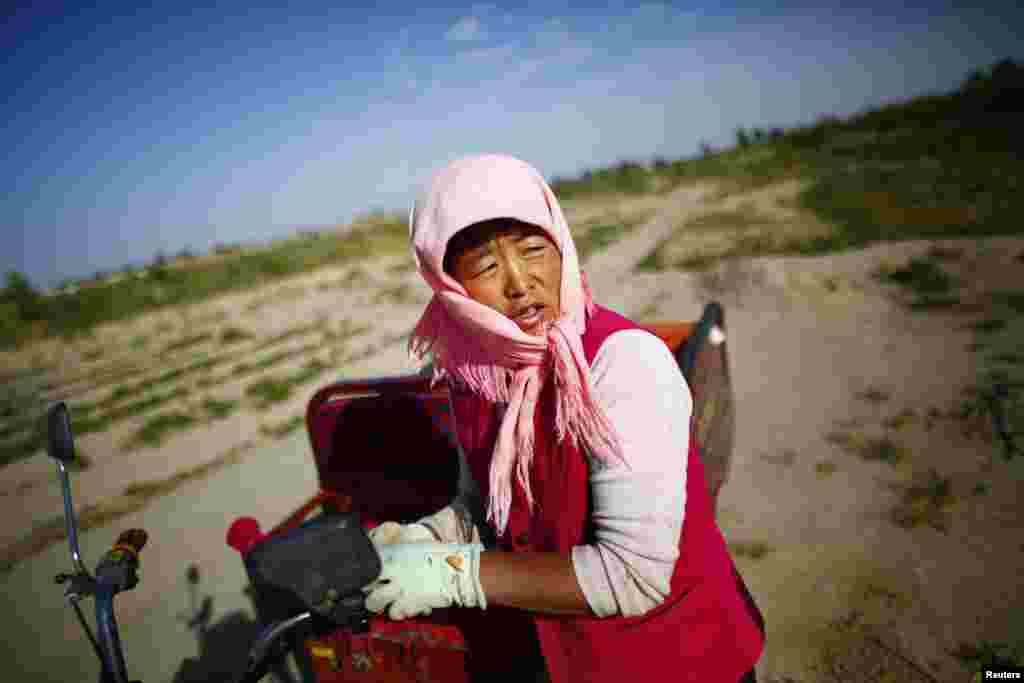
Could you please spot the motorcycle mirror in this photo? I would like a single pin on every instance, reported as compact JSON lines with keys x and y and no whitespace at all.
{"x":60,"y":442}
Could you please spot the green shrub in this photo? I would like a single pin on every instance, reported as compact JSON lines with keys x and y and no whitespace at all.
{"x":219,"y":409}
{"x":599,"y":238}
{"x":159,"y":426}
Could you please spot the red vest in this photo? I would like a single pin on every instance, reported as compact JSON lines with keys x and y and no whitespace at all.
{"x":708,"y":629}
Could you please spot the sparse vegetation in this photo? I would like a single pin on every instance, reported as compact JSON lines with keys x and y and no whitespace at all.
{"x":995,"y":656}
{"x":879,"y":449}
{"x":187,"y":342}
{"x":284,"y":428}
{"x":205,"y":362}
{"x":901,"y":420}
{"x":247,"y":368}
{"x":281,"y":295}
{"x":825,"y":469}
{"x":274,"y":390}
{"x":158,"y":427}
{"x":932,"y":286}
{"x":651,"y":310}
{"x":746,"y":231}
{"x":942,"y":166}
{"x":999,"y":396}
{"x":218,"y":410}
{"x":24,"y":437}
{"x":990,"y":657}
{"x":873,"y":395}
{"x":926,"y":502}
{"x":627,"y":177}
{"x":298,"y":331}
{"x":356,"y":278}
{"x":26,"y":314}
{"x":754,"y":550}
{"x":133,"y":498}
{"x":400,"y":293}
{"x":989,"y":325}
{"x":940,"y":253}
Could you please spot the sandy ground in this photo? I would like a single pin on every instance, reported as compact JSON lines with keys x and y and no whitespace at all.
{"x":847,"y":594}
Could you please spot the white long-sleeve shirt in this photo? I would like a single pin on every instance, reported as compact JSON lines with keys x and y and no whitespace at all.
{"x":637,"y":511}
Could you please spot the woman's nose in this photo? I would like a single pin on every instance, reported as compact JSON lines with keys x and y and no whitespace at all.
{"x":515,"y":279}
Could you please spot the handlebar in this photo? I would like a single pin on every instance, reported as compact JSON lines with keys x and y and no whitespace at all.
{"x":120,"y":564}
{"x":329,"y":593}
{"x":116,"y":571}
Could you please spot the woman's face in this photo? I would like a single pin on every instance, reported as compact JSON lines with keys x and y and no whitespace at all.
{"x":516,"y":269}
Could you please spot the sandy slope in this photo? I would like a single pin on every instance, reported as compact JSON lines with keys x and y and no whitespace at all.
{"x":806,"y":336}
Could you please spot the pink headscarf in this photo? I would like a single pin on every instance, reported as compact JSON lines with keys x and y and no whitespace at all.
{"x":484,"y":349}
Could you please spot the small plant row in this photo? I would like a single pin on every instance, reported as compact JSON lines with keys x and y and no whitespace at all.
{"x":924,"y":500}
{"x":348,"y":330}
{"x":599,"y":237}
{"x":265,"y":392}
{"x":26,"y":314}
{"x":229,"y":336}
{"x":757,"y":244}
{"x":85,"y":420}
{"x":998,"y":334}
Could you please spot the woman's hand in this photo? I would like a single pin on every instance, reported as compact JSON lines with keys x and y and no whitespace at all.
{"x":417,"y":578}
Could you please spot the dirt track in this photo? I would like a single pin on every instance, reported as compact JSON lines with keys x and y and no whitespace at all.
{"x":815,"y":344}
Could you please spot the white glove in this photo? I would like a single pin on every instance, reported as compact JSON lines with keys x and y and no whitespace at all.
{"x":419,"y":577}
{"x":393,"y":532}
{"x":444,"y":526}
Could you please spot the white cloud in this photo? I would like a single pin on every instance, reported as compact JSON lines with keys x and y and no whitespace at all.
{"x":467,"y":28}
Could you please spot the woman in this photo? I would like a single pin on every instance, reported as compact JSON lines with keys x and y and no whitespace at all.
{"x":576,"y":426}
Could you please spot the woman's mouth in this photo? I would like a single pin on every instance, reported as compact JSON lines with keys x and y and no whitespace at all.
{"x":530,"y":317}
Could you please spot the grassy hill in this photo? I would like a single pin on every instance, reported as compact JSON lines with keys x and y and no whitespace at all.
{"x":936,"y":166}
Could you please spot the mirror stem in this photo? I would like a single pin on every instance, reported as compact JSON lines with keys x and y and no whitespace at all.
{"x":70,"y":519}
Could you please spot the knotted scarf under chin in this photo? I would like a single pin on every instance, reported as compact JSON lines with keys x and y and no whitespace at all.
{"x":488,"y":353}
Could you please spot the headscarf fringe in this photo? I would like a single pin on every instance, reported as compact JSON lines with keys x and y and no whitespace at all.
{"x":578,"y":414}
{"x":455,"y":353}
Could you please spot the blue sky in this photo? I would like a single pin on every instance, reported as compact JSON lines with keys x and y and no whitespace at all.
{"x":174,"y":127}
